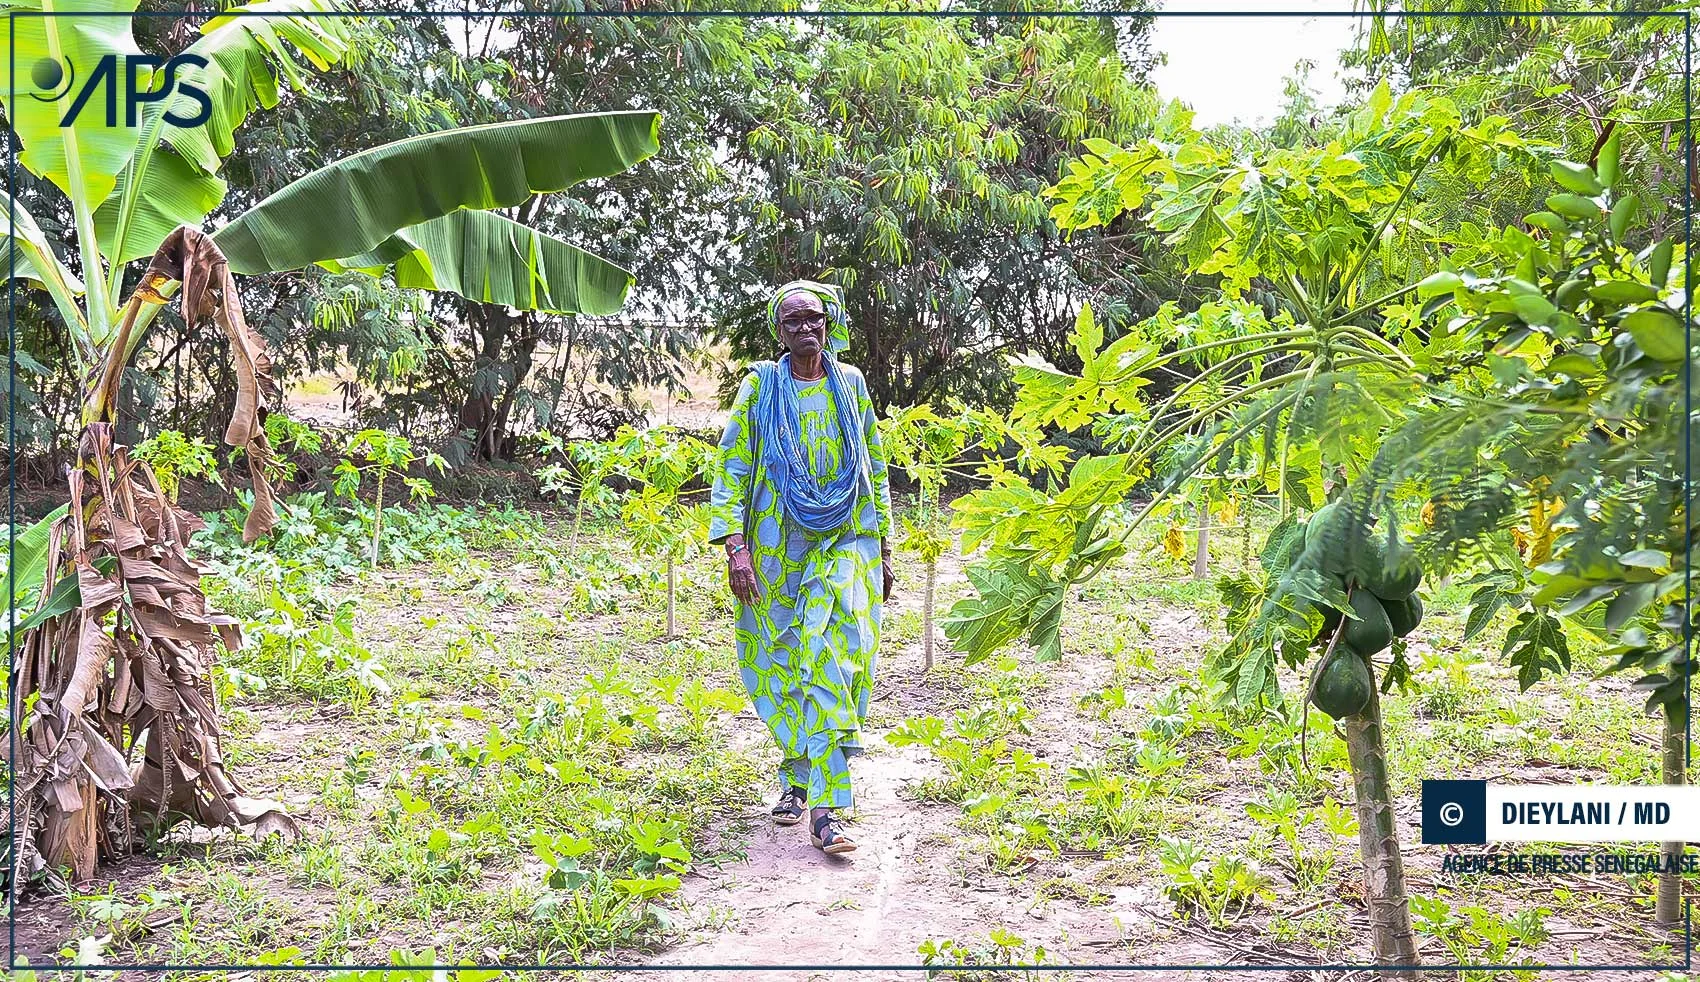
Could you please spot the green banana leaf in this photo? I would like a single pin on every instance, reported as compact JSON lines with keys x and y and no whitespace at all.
{"x":160,"y":189}
{"x":65,"y":596}
{"x":29,"y":554}
{"x":483,"y":256}
{"x":26,"y":255}
{"x":35,"y":260}
{"x":83,"y":159}
{"x":173,"y":192}
{"x":246,"y":56}
{"x":353,"y":206}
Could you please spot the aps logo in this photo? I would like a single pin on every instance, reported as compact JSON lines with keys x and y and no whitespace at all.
{"x":55,"y":80}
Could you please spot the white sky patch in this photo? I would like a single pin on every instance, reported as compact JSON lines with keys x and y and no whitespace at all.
{"x":1232,"y":68}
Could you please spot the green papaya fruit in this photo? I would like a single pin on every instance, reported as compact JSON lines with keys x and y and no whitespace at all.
{"x":1400,"y":577}
{"x":1403,"y":614}
{"x":1371,"y":631}
{"x":1368,"y":558}
{"x":1328,"y":539}
{"x":1319,"y":523}
{"x":1344,"y":686}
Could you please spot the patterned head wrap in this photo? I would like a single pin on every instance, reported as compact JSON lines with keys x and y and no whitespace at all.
{"x":837,"y":320}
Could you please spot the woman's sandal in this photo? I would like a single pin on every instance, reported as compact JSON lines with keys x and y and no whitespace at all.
{"x":790,"y":809}
{"x":827,"y":837}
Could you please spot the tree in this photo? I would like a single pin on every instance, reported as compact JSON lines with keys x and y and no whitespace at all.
{"x":903,"y":160}
{"x":663,"y":460}
{"x":1330,"y":229}
{"x":1563,"y":355}
{"x":1566,"y":80}
{"x":383,"y":453}
{"x":415,"y":209}
{"x":932,"y":450}
{"x":489,"y":374}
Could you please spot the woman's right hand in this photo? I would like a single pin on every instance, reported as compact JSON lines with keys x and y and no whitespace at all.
{"x":741,"y":576}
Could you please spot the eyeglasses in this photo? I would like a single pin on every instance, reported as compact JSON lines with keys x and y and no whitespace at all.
{"x":793,"y":322}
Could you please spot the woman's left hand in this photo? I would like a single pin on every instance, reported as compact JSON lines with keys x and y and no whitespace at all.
{"x":890,"y":577}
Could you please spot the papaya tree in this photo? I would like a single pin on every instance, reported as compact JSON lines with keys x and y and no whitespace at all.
{"x":662,"y":460}
{"x":1309,"y":245}
{"x":118,"y":649}
{"x":931,"y":450}
{"x":1553,"y":449}
{"x":588,"y":465}
{"x":381,"y":454}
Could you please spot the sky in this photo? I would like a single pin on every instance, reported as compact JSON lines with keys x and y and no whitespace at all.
{"x":1232,"y":68}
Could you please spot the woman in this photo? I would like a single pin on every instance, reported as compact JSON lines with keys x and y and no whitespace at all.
{"x":802,"y":506}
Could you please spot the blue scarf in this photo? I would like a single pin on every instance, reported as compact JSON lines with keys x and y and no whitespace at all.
{"x":815,"y":506}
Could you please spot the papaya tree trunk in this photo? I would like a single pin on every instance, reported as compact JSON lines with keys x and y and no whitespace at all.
{"x":1668,"y":907}
{"x":670,"y":604}
{"x":1201,"y":558}
{"x":1378,"y":840}
{"x":378,"y":516}
{"x":927,"y":616}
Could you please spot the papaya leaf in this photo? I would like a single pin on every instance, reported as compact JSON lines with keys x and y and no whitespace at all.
{"x":1537,"y":646}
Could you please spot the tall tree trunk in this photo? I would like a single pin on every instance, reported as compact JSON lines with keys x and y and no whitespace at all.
{"x":1378,"y":840}
{"x":1668,"y":908}
{"x":1201,"y":558}
{"x":500,"y":441}
{"x":482,"y":412}
{"x":927,"y":617}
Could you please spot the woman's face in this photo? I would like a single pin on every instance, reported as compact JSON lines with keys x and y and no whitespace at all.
{"x":802,"y":324}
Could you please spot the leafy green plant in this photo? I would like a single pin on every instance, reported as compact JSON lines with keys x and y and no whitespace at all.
{"x":1219,"y":886}
{"x":421,"y":209}
{"x":972,"y":746}
{"x":588,"y":465}
{"x":932,"y":449}
{"x":1002,"y":948}
{"x":287,"y":436}
{"x":1563,"y":355}
{"x":1282,"y":813}
{"x":664,"y":460}
{"x":320,"y":656}
{"x":382,"y":454}
{"x":1292,"y":375}
{"x":1476,"y":935}
{"x":172,"y":456}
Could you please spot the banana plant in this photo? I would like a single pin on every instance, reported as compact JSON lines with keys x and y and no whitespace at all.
{"x":121,"y":635}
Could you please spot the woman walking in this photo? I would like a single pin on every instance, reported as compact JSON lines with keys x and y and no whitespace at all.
{"x":802,"y":506}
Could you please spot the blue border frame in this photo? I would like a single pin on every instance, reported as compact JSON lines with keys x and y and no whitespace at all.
{"x":1688,"y":485}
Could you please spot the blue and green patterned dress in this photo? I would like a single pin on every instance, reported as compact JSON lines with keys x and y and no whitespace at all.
{"x":808,"y":646}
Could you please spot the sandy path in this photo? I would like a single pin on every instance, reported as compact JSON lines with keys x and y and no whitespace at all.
{"x":787,"y":903}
